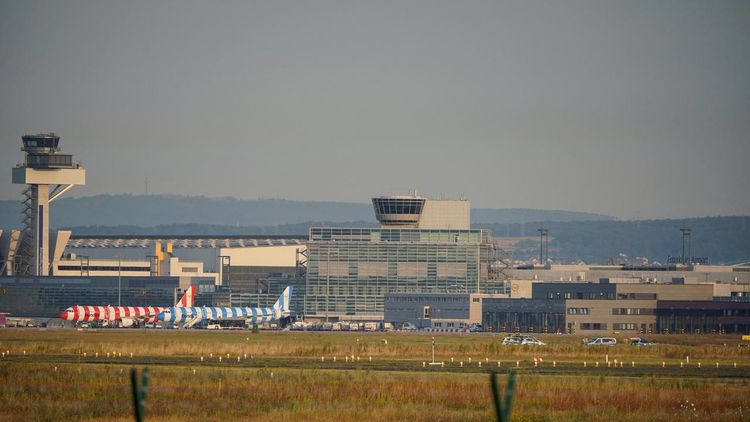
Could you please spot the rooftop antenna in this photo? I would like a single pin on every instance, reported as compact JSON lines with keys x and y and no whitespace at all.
{"x":145,"y":183}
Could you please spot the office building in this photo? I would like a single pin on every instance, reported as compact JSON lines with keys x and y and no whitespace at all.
{"x":350,"y":270}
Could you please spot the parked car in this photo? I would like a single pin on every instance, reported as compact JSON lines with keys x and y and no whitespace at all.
{"x":519,"y":340}
{"x":638,"y":341}
{"x":601,"y":341}
{"x":371,"y":326}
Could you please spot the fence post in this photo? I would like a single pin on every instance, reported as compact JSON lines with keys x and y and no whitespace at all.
{"x":502,"y":409}
{"x":139,"y":393}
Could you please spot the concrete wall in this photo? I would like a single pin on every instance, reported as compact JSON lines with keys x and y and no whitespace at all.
{"x":103,"y":267}
{"x":445,"y":214}
{"x":187,"y":270}
{"x":521,"y":289}
{"x":670,"y":291}
{"x":642,"y":315}
{"x":731,"y":290}
{"x":263,"y":256}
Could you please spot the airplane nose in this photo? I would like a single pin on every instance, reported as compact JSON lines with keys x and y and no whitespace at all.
{"x":63,"y":315}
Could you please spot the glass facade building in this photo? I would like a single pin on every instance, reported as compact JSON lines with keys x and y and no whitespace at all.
{"x":350,"y":270}
{"x":275,"y":285}
{"x":48,"y":296}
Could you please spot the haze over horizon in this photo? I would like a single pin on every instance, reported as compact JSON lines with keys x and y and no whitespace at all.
{"x":630,"y":109}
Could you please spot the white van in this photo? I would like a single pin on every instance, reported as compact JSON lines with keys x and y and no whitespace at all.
{"x":213,"y":327}
{"x":601,"y":341}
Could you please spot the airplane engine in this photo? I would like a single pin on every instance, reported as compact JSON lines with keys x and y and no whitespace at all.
{"x":127,"y":322}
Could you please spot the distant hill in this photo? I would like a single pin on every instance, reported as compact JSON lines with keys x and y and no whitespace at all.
{"x":525,"y":215}
{"x":574,"y":236}
{"x":155,"y":210}
{"x":720,"y":239}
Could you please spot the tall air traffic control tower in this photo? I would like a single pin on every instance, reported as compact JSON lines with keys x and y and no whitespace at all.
{"x":47,"y":174}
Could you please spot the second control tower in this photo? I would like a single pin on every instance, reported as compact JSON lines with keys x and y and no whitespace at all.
{"x":417,"y":212}
{"x":47,"y":174}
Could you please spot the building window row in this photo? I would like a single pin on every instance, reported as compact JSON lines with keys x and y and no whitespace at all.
{"x":100,"y":268}
{"x":447,"y":324}
{"x":580,"y":295}
{"x":593,"y":326}
{"x":424,"y":299}
{"x":637,"y":296}
{"x":578,"y":311}
{"x":633,"y":311}
{"x":624,"y":326}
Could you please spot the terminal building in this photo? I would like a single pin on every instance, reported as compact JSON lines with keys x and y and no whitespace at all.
{"x":422,"y":246}
{"x":585,"y":308}
{"x":597,"y":308}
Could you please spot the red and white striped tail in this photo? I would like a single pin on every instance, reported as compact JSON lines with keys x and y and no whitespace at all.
{"x":188,"y":298}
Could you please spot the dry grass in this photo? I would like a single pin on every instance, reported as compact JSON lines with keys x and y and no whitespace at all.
{"x":31,"y":389}
{"x":87,"y":392}
{"x":399,"y":345}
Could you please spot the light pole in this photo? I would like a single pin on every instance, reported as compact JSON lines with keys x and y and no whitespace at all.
{"x":328,"y":278}
{"x":119,"y":280}
{"x":543,"y":237}
{"x":686,"y":232}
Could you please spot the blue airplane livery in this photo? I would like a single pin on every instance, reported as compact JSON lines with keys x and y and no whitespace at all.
{"x":279,"y":310}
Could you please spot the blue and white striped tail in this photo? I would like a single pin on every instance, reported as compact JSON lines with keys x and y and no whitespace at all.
{"x":282,"y":304}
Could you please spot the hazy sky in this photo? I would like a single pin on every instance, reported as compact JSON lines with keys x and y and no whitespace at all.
{"x":636,"y":109}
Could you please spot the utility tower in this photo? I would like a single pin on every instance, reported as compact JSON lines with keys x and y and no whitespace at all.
{"x":47,"y":175}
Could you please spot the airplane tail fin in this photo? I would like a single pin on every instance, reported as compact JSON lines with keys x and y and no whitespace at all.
{"x":282,"y":304}
{"x":188,"y":298}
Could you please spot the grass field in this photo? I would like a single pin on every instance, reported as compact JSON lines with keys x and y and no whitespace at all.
{"x":67,"y":375}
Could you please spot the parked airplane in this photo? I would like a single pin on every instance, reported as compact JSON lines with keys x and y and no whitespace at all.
{"x":279,"y":310}
{"x":127,"y":315}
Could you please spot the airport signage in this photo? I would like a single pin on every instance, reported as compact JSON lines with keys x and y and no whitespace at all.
{"x":688,"y":260}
